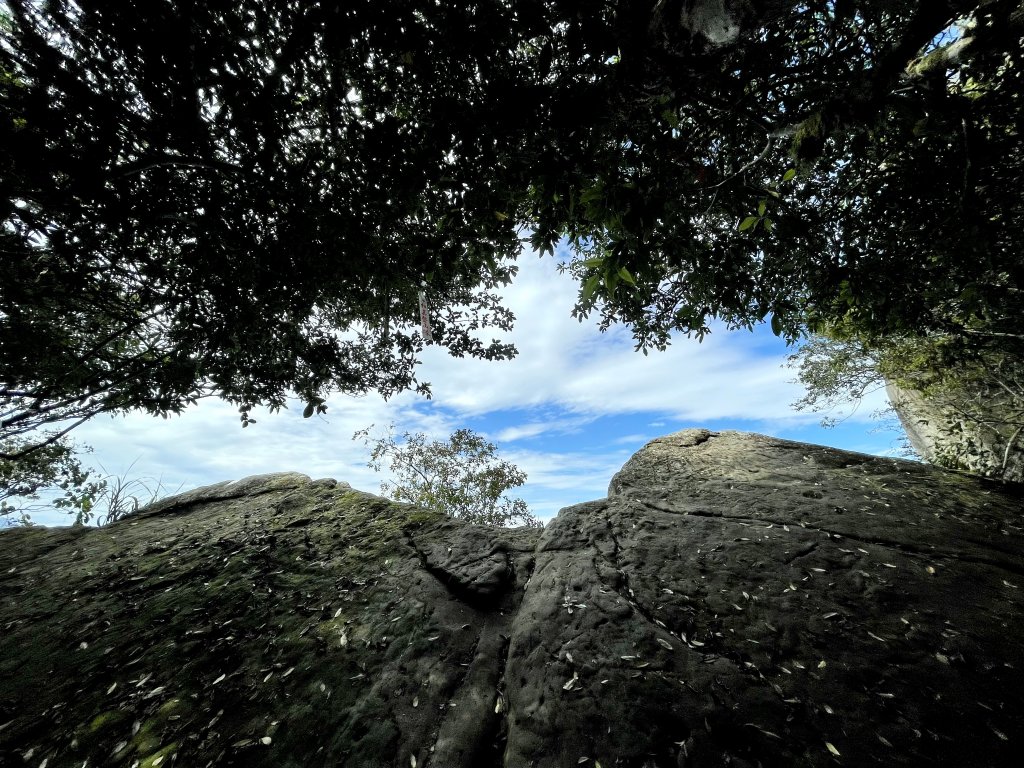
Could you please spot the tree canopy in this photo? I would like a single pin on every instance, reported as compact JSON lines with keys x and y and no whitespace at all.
{"x":460,"y":477}
{"x":247,"y":199}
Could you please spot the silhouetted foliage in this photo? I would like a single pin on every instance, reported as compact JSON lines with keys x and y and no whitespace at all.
{"x":245,"y":199}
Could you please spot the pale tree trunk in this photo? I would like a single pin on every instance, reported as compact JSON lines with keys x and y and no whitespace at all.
{"x":961,"y":430}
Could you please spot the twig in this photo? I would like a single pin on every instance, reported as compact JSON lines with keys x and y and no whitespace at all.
{"x":764,"y":153}
{"x":1009,"y":445}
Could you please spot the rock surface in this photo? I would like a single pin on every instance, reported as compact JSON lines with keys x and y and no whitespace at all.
{"x":736,"y":600}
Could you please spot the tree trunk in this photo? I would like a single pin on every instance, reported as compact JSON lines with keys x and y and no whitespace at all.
{"x":960,"y":430}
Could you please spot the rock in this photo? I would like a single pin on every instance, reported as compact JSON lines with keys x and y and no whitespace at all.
{"x":735,"y":600}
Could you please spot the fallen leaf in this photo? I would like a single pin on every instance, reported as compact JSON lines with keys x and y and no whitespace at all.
{"x":832,"y":749}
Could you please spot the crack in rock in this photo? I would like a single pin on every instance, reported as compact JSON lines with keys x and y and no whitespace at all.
{"x":901,"y":546}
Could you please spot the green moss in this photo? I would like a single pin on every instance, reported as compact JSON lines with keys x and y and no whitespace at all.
{"x":105,"y":727}
{"x":173,"y":708}
{"x":423,"y":517}
{"x":146,"y":741}
{"x":334,"y":631}
{"x":808,"y":140}
{"x":105,"y":721}
{"x":151,"y":733}
{"x":160,"y":757}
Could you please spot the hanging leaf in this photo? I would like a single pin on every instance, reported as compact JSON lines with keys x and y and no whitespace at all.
{"x":747,"y":223}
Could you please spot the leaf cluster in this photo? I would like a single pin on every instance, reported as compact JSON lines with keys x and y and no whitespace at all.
{"x":54,"y":471}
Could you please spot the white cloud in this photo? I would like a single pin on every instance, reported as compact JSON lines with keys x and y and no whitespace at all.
{"x":560,"y":479}
{"x":544,"y":424}
{"x":574,"y":366}
{"x":634,"y":439}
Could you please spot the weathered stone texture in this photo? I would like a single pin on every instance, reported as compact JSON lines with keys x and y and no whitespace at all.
{"x":736,"y":600}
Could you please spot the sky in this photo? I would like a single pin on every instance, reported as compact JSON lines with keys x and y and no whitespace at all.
{"x":569,"y":410}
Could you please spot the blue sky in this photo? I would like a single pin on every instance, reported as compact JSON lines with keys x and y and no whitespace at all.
{"x":569,"y":410}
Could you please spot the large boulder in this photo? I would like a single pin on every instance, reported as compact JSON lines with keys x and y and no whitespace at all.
{"x":735,"y":600}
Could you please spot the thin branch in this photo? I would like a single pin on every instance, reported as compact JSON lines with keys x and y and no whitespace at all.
{"x":764,"y":153}
{"x":50,"y":440}
{"x":994,"y":334}
{"x":1009,"y":445}
{"x":213,"y":166}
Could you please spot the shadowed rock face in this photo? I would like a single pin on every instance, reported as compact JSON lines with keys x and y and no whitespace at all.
{"x":736,"y":600}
